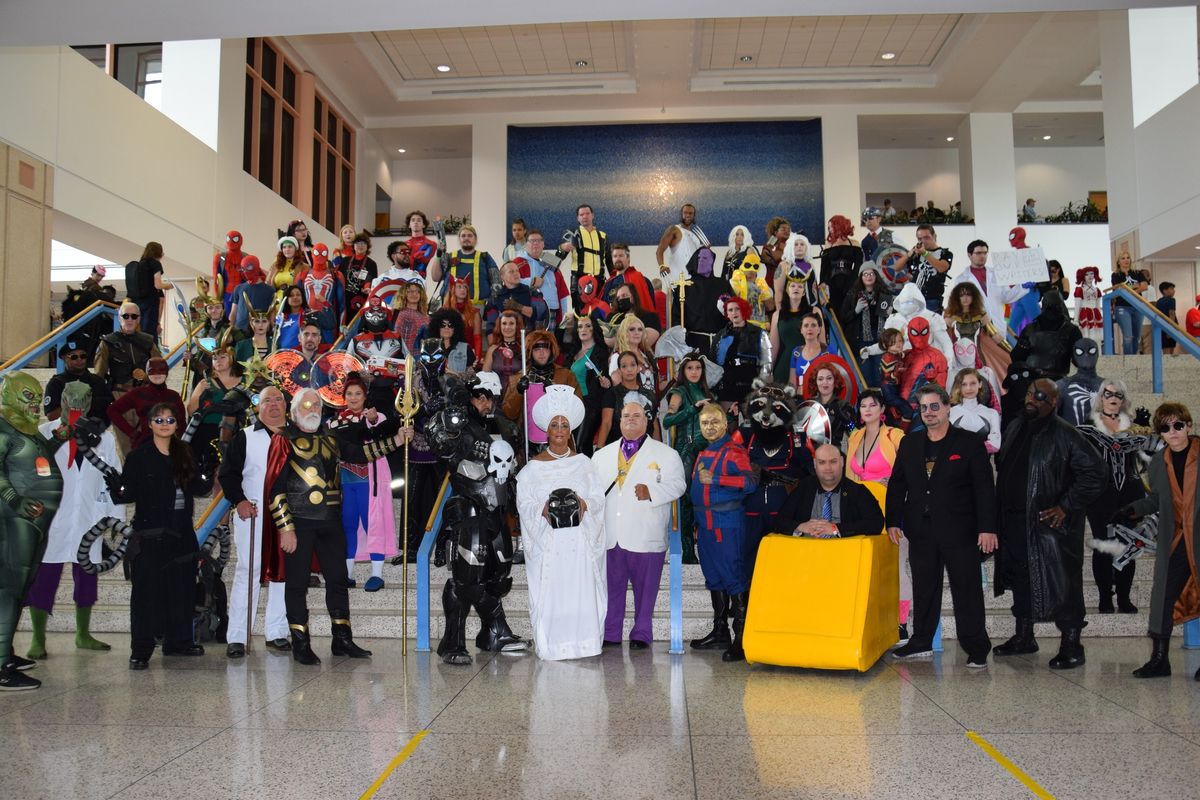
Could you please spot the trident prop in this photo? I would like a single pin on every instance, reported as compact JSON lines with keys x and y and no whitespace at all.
{"x":408,"y":403}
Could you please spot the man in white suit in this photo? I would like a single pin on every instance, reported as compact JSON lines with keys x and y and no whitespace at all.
{"x":243,"y":471}
{"x":642,"y":477}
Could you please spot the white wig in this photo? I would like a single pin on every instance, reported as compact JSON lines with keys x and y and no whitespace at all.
{"x":299,"y":398}
{"x":747,"y":240}
{"x":790,"y":248}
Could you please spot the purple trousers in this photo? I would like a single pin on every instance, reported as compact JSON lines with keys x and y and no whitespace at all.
{"x":644,"y":570}
{"x":45,"y":586}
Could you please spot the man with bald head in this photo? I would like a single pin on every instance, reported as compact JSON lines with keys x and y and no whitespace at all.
{"x":243,"y":470}
{"x":1046,"y":478}
{"x":827,"y":505}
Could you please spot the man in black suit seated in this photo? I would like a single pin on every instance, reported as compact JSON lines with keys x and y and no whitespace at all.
{"x":827,"y":505}
{"x":941,"y":497}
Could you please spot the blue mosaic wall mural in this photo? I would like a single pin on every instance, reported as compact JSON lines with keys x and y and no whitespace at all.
{"x":637,"y":176}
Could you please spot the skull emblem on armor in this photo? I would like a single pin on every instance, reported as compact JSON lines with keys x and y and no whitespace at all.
{"x":501,"y":460}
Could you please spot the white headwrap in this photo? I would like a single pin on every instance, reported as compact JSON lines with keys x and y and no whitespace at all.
{"x":558,"y":401}
{"x":289,"y":240}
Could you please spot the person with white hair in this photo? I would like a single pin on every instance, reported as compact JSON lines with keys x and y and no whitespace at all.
{"x":304,"y":495}
{"x":643,"y":477}
{"x":561,"y":505}
{"x":741,"y":242}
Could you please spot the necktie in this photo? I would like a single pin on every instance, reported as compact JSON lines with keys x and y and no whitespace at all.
{"x":827,"y":507}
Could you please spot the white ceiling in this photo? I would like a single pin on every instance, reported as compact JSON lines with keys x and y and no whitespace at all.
{"x":40,"y":22}
{"x":924,"y":131}
{"x":446,"y":141}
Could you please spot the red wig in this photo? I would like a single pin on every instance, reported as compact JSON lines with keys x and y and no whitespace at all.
{"x":740,"y":303}
{"x":839,"y":228}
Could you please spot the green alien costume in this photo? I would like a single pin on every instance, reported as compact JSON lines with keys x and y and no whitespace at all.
{"x":30,"y":491}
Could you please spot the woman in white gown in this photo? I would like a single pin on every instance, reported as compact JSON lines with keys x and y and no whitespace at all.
{"x":568,"y":597}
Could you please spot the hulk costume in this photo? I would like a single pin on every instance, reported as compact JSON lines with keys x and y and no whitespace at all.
{"x":30,"y":491}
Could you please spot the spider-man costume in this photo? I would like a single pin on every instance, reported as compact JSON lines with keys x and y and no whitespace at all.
{"x":227,"y":267}
{"x":923,"y":364}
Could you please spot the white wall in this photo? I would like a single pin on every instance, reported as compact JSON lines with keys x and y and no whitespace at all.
{"x":1055,"y":176}
{"x":374,"y":168}
{"x":932,"y":173}
{"x":434,"y":185}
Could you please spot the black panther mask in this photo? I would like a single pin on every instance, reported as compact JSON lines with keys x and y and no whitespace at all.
{"x":563,"y":508}
{"x":433,"y":357}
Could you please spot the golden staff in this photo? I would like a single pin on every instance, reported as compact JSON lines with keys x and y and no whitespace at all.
{"x":408,"y":403}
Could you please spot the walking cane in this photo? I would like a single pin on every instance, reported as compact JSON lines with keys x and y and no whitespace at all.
{"x":250,"y":578}
{"x":407,"y":404}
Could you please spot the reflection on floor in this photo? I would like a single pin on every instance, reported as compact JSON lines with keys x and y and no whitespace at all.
{"x":624,"y":725}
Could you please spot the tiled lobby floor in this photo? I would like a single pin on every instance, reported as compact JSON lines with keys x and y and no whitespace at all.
{"x":624,"y":725}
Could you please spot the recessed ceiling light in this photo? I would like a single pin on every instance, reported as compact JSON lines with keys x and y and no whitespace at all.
{"x":581,"y":63}
{"x":887,"y":56}
{"x":745,"y":59}
{"x":1046,"y":138}
{"x":401,"y":150}
{"x":949,"y":138}
{"x":443,"y":67}
{"x":1198,"y":247}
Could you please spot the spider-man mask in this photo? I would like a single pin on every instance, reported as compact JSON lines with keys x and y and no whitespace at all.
{"x":233,"y":240}
{"x":918,"y":333}
{"x":320,"y":256}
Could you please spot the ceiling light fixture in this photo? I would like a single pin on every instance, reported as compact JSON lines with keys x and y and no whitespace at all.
{"x":1046,"y":138}
{"x":745,"y":59}
{"x":887,"y":56}
{"x":949,"y":138}
{"x":401,"y":150}
{"x":581,"y":63}
{"x":443,"y":67}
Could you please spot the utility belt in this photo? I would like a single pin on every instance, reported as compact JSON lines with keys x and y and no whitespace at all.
{"x":732,"y":505}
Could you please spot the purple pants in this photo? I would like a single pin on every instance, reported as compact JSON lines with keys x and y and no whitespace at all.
{"x":645,"y":571}
{"x":45,"y":586}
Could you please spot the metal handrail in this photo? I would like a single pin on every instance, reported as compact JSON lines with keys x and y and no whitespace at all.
{"x":1159,"y":324}
{"x":423,"y":552}
{"x":44,"y":343}
{"x":342,"y":342}
{"x":212,"y":516}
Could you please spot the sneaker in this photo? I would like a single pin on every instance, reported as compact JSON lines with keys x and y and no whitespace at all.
{"x":977,"y":662}
{"x":903,"y":635}
{"x":912,"y":650}
{"x":12,"y":680}
{"x":20,"y":664}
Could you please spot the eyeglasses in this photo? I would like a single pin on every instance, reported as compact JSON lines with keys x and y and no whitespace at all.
{"x":163,"y":420}
{"x":1109,"y":395}
{"x":1177,"y":425}
{"x":930,"y":406}
{"x":130,"y":316}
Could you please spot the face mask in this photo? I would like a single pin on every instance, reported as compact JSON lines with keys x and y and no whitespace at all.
{"x":624,"y":305}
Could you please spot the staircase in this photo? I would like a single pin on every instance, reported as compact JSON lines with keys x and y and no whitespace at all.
{"x":1181,"y":379}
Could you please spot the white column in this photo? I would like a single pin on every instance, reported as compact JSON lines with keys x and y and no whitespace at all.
{"x":840,"y":165}
{"x":191,"y":86}
{"x":988,"y":174}
{"x":1162,"y":57}
{"x":1120,"y":158}
{"x":489,"y":185}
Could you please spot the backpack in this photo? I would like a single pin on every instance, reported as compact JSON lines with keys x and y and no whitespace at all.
{"x":133,"y":279}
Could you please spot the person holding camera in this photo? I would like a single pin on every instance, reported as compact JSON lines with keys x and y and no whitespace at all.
{"x":929,"y":263}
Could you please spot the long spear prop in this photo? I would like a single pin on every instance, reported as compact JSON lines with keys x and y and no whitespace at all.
{"x":251,"y":580}
{"x":408,"y":403}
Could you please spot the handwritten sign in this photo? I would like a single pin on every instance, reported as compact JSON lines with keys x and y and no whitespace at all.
{"x":1014,"y":267}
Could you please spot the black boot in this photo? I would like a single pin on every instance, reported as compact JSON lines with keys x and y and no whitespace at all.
{"x":1102,"y":572}
{"x":1022,"y":641}
{"x":343,"y":641}
{"x":1070,"y":651}
{"x":302,"y":646}
{"x":1159,"y":666}
{"x":718,"y":637}
{"x":453,"y":647}
{"x":735,"y":652}
{"x":494,"y":634}
{"x":1124,"y":579}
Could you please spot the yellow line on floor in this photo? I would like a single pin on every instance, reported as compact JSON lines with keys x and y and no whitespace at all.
{"x":395,"y":762}
{"x":1012,"y":768}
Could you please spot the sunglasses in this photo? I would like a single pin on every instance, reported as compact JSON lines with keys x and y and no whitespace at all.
{"x":1109,"y":395}
{"x":1172,"y":426}
{"x":163,"y":420}
{"x":74,"y":356}
{"x":131,"y":316}
{"x":930,"y":406}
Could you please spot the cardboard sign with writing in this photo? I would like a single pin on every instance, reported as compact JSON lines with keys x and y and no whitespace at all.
{"x":1014,"y":267}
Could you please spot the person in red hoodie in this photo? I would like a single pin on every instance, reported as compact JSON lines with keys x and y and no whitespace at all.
{"x":142,"y":399}
{"x":1192,"y":320}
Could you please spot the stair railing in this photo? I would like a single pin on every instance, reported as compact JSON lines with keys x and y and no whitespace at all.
{"x":58,"y":336}
{"x":1159,"y":324}
{"x":423,"y":553}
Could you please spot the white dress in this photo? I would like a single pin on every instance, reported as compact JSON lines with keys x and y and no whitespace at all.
{"x":972,"y":416}
{"x":568,"y":596}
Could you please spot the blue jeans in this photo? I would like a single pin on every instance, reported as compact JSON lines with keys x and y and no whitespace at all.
{"x":149,"y":321}
{"x":1129,"y":320}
